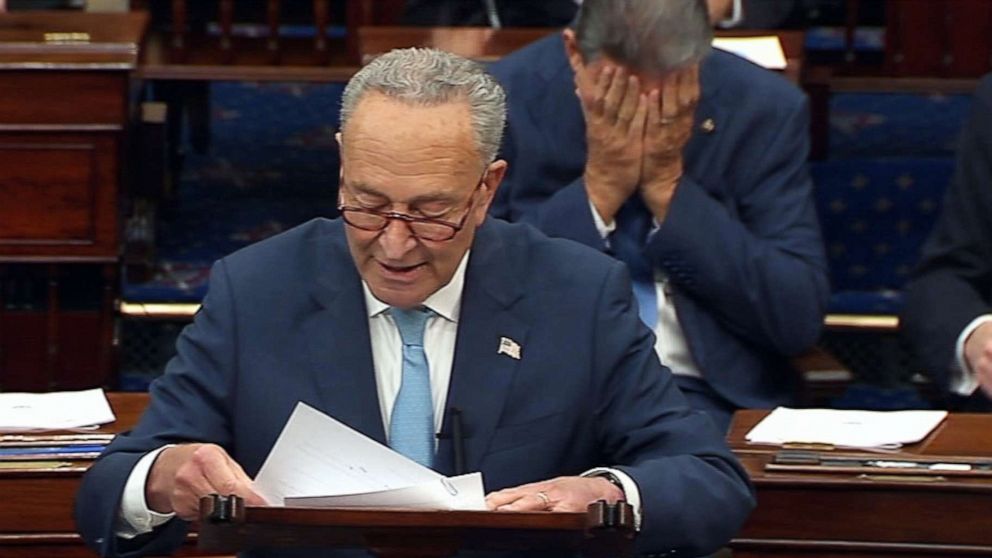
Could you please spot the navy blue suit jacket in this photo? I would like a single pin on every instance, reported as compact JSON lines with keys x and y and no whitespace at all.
{"x":953,"y":283}
{"x":741,"y":243}
{"x":285,"y":321}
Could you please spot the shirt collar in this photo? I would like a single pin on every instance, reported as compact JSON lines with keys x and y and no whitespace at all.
{"x":445,"y":302}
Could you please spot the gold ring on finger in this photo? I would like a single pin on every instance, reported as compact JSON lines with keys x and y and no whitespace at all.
{"x":544,"y":498}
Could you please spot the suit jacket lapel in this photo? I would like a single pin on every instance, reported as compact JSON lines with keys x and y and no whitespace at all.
{"x":337,"y":335}
{"x":481,"y":377}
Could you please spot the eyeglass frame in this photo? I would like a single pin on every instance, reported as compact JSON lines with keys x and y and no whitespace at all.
{"x":408,"y":219}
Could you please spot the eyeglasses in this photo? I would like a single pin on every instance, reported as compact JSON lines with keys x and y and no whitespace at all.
{"x":423,"y":228}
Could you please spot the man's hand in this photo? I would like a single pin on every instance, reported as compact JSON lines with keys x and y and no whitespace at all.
{"x":181,"y":475}
{"x":720,"y":10}
{"x":667,"y":130}
{"x":563,"y":494}
{"x":978,"y":353}
{"x":615,"y":110}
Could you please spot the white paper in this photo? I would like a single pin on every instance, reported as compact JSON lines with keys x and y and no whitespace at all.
{"x":854,"y":429}
{"x":455,"y":493}
{"x":318,"y":457}
{"x":765,"y":51}
{"x":57,"y":410}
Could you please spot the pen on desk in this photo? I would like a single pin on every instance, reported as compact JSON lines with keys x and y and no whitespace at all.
{"x":882,"y":464}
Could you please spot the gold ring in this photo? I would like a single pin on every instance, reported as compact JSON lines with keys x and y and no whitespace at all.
{"x":544,"y":498}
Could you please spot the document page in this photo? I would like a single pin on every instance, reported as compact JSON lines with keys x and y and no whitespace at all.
{"x":852,"y":429}
{"x":763,"y":51}
{"x":316,"y":459}
{"x":57,"y":410}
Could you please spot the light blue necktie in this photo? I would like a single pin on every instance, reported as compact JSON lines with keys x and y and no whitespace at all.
{"x":411,"y":427}
{"x":634,"y":222}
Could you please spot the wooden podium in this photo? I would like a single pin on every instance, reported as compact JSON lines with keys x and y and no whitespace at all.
{"x":227,"y":526}
{"x":827,"y":512}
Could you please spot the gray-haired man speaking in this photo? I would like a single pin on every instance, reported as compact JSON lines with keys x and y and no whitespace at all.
{"x":414,"y":303}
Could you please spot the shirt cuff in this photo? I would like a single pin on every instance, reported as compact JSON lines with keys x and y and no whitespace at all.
{"x":963,"y":380}
{"x":630,"y":491}
{"x":601,"y":226}
{"x":736,"y":16}
{"x":134,"y":517}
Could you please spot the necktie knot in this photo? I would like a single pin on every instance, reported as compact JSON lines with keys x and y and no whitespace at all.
{"x":411,"y":324}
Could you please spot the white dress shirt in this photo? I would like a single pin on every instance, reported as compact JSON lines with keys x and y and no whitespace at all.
{"x":440,"y":336}
{"x":963,"y":381}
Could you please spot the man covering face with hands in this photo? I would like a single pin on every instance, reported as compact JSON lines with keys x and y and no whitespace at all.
{"x":628,"y":133}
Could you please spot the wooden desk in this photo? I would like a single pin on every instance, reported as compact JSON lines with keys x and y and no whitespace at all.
{"x":64,"y":111}
{"x":834,"y":515}
{"x":36,"y":514}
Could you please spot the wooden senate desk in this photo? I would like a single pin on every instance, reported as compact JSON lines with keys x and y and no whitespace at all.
{"x":807,"y":511}
{"x":65,"y":95}
{"x":36,"y":509}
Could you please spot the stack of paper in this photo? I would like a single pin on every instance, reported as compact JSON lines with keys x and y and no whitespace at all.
{"x":319,"y":462}
{"x":853,"y":429}
{"x":54,"y":411}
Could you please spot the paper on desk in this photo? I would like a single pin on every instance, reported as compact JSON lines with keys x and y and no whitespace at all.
{"x":318,"y":457}
{"x":765,"y":51}
{"x":853,"y":429}
{"x":455,"y":493}
{"x":56,"y":410}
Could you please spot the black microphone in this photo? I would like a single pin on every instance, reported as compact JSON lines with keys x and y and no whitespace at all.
{"x":457,"y":435}
{"x":458,"y":440}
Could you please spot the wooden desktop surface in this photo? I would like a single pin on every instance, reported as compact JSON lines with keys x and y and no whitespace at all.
{"x":36,"y":515}
{"x":829,"y":515}
{"x":826,"y":515}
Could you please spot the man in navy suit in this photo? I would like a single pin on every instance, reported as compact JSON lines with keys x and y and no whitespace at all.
{"x":563,"y":400}
{"x":627,"y":134}
{"x":948,"y":314}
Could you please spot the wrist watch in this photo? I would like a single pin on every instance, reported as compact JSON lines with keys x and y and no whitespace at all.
{"x":614,"y":480}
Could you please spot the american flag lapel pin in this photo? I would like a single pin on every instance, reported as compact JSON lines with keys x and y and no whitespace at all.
{"x":509,"y":347}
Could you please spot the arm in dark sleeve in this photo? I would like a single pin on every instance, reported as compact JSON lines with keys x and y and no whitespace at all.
{"x":756,"y":263}
{"x":694,"y":493}
{"x":556,"y":203}
{"x":188,"y":404}
{"x":953,"y":283}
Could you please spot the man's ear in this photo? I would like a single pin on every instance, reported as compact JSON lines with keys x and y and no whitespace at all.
{"x":337,"y":138}
{"x":572,"y":51}
{"x":494,"y":176}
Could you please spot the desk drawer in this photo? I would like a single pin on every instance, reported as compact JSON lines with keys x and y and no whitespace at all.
{"x":862,"y":514}
{"x":63,"y":98}
{"x":58,"y":194}
{"x":38,"y":504}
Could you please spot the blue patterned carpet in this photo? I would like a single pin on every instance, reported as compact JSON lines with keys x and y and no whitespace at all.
{"x":273,"y":164}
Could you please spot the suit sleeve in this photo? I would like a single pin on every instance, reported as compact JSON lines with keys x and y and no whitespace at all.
{"x":188,"y":404}
{"x":952,"y":284}
{"x":694,"y":494}
{"x":757,"y":263}
{"x":558,"y":205}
